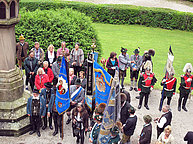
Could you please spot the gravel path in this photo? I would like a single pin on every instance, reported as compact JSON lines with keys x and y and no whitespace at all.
{"x":181,"y":123}
{"x":180,"y":6}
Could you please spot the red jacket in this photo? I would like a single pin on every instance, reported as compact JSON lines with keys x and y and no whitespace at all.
{"x":50,"y":74}
{"x":40,"y":84}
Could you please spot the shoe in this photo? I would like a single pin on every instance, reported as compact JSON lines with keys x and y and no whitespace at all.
{"x":32,"y":132}
{"x":60,"y":135}
{"x":131,"y":88}
{"x":68,"y":121}
{"x":179,"y":108}
{"x":55,"y":133}
{"x":51,"y":127}
{"x":139,"y":106}
{"x":137,"y":97}
{"x":184,"y":108}
{"x":146,"y":106}
{"x":38,"y":134}
{"x":135,"y":89}
{"x":44,"y":127}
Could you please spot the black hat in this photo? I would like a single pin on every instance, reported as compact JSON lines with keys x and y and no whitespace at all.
{"x":48,"y":85}
{"x":36,"y":91}
{"x":98,"y":118}
{"x":136,"y":51}
{"x":123,"y":50}
{"x":132,"y":110}
{"x":59,"y":58}
{"x":78,"y":81}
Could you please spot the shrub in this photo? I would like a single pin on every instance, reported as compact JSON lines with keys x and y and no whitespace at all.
{"x":54,"y":26}
{"x":123,"y":14}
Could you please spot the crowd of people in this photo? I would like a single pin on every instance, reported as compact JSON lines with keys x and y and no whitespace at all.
{"x":42,"y":73}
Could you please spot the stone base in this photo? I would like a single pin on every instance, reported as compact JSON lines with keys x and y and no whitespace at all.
{"x":13,"y":117}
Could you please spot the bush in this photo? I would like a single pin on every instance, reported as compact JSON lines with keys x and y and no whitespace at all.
{"x":123,"y":14}
{"x":52,"y":27}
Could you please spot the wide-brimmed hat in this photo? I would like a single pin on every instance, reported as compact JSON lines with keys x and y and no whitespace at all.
{"x":136,"y":51}
{"x":123,"y":50}
{"x":78,"y":81}
{"x":48,"y":85}
{"x":147,"y":118}
{"x":36,"y":91}
{"x":98,"y":118}
{"x":21,"y":37}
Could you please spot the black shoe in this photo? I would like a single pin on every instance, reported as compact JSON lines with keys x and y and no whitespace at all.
{"x":137,"y":97}
{"x":38,"y":134}
{"x":160,"y":108}
{"x":51,"y":127}
{"x":184,"y":108}
{"x":146,"y":106}
{"x":179,"y":108}
{"x":136,"y":89}
{"x":131,"y":88}
{"x":60,"y":135}
{"x":55,"y":133}
{"x":44,"y":127}
{"x":32,"y":132}
{"x":139,"y":106}
{"x":68,"y":121}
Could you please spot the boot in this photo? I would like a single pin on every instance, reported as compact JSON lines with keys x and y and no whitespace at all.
{"x":184,"y":108}
{"x":60,"y":132}
{"x":179,"y":104}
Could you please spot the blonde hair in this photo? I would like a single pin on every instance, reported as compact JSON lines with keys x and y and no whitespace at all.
{"x":169,"y":128}
{"x":40,"y":69}
{"x":50,"y":47}
{"x":71,"y":69}
{"x":45,"y":62}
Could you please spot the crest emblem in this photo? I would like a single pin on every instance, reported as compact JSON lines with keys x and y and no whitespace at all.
{"x":59,"y":104}
{"x":100,"y":83}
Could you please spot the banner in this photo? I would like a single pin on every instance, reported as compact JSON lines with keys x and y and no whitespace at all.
{"x":89,"y":76}
{"x":102,"y":82}
{"x":62,"y":100}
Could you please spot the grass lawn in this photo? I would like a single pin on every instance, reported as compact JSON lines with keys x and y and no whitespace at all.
{"x":113,"y":37}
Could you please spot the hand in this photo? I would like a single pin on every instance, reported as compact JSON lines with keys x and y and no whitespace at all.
{"x":164,"y":80}
{"x":48,"y":114}
{"x":50,"y":65}
{"x":151,"y":89}
{"x":74,"y":63}
{"x":90,"y":140}
{"x":73,"y":102}
{"x":80,"y":65}
{"x":189,"y":80}
{"x":90,"y":128}
{"x":74,"y":121}
{"x":32,"y":73}
{"x":134,"y":69}
{"x":28,"y":114}
{"x":42,"y":116}
{"x":86,"y":129}
{"x":46,"y":105}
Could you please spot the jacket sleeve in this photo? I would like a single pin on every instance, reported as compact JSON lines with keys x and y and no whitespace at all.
{"x":46,"y":57}
{"x":37,"y":83}
{"x":51,"y":76}
{"x":44,"y":107}
{"x":127,"y":126}
{"x":42,"y":56}
{"x":51,"y":103}
{"x":183,"y":82}
{"x":147,"y":137}
{"x":154,"y":80}
{"x":28,"y":106}
{"x":123,"y":60}
{"x":107,"y":64}
{"x":140,"y":82}
{"x":139,"y":63}
{"x":174,"y":87}
{"x":82,"y":57}
{"x":26,"y":67}
{"x":36,"y":66}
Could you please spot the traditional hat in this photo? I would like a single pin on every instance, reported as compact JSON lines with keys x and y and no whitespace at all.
{"x":123,"y":50}
{"x":48,"y":85}
{"x":132,"y":110}
{"x":21,"y":37}
{"x":123,"y":97}
{"x":147,"y":118}
{"x":136,"y":51}
{"x":98,"y":118}
{"x":148,"y":65}
{"x":36,"y":91}
{"x":78,"y":81}
{"x":151,"y":52}
{"x":188,"y":68}
{"x":101,"y":108}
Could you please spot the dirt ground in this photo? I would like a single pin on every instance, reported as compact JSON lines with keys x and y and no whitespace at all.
{"x":175,"y":5}
{"x":181,"y":123}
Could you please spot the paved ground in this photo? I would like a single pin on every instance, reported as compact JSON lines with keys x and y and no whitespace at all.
{"x":181,"y":123}
{"x":179,"y":5}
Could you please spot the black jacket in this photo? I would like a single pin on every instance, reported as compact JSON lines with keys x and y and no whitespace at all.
{"x":189,"y":137}
{"x":168,"y":117}
{"x":125,"y":112}
{"x":27,"y":66}
{"x":129,"y":128}
{"x":145,"y":137}
{"x":47,"y":59}
{"x":109,"y":66}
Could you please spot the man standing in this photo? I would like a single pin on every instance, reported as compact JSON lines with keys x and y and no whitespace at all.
{"x":145,"y":85}
{"x":185,"y":86}
{"x":56,"y":70}
{"x":129,"y":127}
{"x":36,"y":109}
{"x":38,"y":53}
{"x":169,"y":88}
{"x":21,"y":50}
{"x":189,"y":137}
{"x":134,"y":68}
{"x":164,"y":120}
{"x":63,"y":50}
{"x":31,"y":67}
{"x":47,"y":93}
{"x":123,"y":65}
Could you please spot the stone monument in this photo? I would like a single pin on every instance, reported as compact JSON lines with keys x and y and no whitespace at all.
{"x":13,"y":98}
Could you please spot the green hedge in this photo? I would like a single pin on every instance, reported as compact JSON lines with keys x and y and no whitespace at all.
{"x":54,"y":26}
{"x":123,"y":14}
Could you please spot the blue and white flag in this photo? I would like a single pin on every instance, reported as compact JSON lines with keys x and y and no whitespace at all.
{"x":103,"y":82}
{"x":62,"y":100}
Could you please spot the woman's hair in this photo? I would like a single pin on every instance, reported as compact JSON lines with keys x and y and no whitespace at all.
{"x":50,"y":47}
{"x":113,"y":54}
{"x":71,"y":69}
{"x":168,"y":128}
{"x":40,"y":69}
{"x":82,"y":72}
{"x":45,"y":62}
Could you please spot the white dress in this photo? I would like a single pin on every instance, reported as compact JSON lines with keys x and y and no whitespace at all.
{"x":169,"y":140}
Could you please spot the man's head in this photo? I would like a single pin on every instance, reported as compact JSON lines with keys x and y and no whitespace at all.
{"x":136,"y":52}
{"x":50,"y":48}
{"x":71,"y":71}
{"x":78,"y":82}
{"x":165,"y":108}
{"x":45,"y":64}
{"x":35,"y":92}
{"x":31,"y":54}
{"x":147,"y":119}
{"x":81,"y":74}
{"x":77,"y":46}
{"x":37,"y":45}
{"x":21,"y":39}
{"x":40,"y":71}
{"x":124,"y":51}
{"x":132,"y":110}
{"x":63,"y":44}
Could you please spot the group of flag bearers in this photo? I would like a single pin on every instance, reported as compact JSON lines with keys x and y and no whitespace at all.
{"x":53,"y":102}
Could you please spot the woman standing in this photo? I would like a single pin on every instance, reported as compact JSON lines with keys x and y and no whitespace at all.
{"x":41,"y":78}
{"x":112,"y":64}
{"x":80,"y":122}
{"x":166,"y":137}
{"x":51,"y":55}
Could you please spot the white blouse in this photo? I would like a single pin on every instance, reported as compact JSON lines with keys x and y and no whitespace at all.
{"x":169,"y":140}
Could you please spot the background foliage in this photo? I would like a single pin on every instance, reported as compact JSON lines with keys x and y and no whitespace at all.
{"x":54,"y":26}
{"x":123,"y":14}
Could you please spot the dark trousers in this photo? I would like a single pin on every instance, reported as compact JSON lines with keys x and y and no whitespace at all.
{"x":31,"y":80}
{"x":49,"y":119}
{"x":146,"y":95}
{"x":35,"y":122}
{"x":159,"y":131}
{"x":183,"y":95}
{"x":77,"y":69}
{"x":57,"y":121}
{"x":80,"y":135}
{"x":162,"y":101}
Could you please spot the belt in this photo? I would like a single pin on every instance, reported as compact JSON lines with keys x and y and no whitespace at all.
{"x":186,"y":87}
{"x":168,"y":89}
